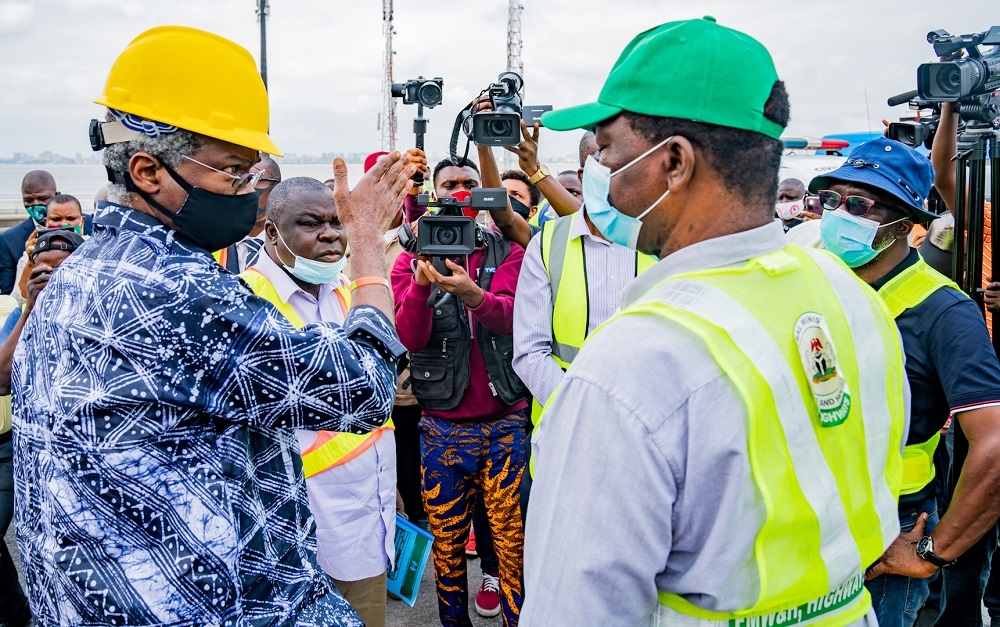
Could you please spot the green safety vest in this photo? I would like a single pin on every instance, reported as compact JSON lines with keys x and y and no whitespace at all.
{"x":331,"y":448}
{"x":815,"y":358}
{"x":907,"y":290}
{"x":565,"y":262}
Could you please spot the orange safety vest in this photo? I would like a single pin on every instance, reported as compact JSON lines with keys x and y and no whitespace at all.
{"x":331,"y":448}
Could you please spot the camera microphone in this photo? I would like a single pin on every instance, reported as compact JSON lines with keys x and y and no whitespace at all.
{"x":901,"y":98}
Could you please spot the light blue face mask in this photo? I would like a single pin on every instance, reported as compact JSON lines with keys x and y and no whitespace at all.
{"x":850,"y":237}
{"x":310,"y":271}
{"x":614,"y":225}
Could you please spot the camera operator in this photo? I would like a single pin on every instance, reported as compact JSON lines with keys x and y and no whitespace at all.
{"x":964,"y":585}
{"x":871,"y":204}
{"x":473,"y":424}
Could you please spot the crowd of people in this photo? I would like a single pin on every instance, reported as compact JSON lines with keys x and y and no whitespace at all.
{"x":226,"y":386}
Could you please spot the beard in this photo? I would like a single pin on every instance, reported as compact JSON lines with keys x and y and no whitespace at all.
{"x":882,"y":243}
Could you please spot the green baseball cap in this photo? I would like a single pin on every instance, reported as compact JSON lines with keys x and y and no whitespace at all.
{"x":691,"y":70}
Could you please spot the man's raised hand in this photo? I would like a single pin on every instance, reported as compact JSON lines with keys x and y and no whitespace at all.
{"x":376,"y":198}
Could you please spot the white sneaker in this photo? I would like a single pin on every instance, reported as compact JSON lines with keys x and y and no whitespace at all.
{"x":488,"y":597}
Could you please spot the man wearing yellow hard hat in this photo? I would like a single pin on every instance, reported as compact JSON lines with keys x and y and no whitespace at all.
{"x":158,"y":480}
{"x":736,"y":430}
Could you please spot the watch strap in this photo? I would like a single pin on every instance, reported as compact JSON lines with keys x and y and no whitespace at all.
{"x":539,"y":174}
{"x":927,"y":553}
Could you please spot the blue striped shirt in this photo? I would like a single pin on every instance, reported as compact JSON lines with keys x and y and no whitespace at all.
{"x":609,"y":267}
{"x":157,"y":476}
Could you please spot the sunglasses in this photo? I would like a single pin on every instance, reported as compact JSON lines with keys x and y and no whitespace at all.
{"x":855,"y":205}
{"x":239,"y":180}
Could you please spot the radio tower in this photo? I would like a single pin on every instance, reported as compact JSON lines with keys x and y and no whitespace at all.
{"x":263,"y":10}
{"x":514,"y":62}
{"x":387,"y":121}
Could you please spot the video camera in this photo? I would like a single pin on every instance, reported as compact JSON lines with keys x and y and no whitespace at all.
{"x":450,"y":233}
{"x":502,"y":125}
{"x":949,"y":81}
{"x":423,"y":92}
{"x":919,"y":130}
{"x":968,"y":82}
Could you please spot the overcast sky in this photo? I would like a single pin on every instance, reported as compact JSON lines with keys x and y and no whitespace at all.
{"x":325,"y":58}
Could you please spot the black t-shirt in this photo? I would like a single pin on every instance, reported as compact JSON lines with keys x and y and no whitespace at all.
{"x":950,"y":362}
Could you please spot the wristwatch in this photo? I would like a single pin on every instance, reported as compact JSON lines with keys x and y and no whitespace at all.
{"x":925,"y":549}
{"x":539,"y":174}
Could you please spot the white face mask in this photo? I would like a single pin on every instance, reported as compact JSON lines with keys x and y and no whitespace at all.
{"x":790,"y":210}
{"x":313,"y":272}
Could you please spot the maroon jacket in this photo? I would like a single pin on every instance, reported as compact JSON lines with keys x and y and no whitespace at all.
{"x":496,"y":312}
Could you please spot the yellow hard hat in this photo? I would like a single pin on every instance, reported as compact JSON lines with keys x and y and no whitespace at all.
{"x":194,"y":80}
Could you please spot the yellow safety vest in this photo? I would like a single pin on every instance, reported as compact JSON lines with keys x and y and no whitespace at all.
{"x":331,"y":448}
{"x":816,"y":361}
{"x":907,"y":290}
{"x":565,"y":262}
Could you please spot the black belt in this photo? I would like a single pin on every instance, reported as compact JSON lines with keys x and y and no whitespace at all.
{"x":6,"y":437}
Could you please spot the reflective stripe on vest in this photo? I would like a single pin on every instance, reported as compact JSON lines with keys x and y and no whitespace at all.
{"x":331,"y":448}
{"x":905,"y":291}
{"x":822,"y":527}
{"x":565,"y":262}
{"x":842,"y":606}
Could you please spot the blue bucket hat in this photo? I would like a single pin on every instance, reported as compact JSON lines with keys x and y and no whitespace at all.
{"x":890,"y":166}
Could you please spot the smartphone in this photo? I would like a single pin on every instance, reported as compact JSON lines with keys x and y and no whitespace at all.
{"x":533,"y":113}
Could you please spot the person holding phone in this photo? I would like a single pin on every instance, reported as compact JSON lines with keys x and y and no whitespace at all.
{"x":64,"y":212}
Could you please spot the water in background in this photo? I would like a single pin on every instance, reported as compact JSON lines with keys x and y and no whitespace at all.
{"x":83,"y":181}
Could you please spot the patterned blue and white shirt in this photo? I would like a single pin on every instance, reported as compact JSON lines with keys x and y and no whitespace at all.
{"x":158,"y":480}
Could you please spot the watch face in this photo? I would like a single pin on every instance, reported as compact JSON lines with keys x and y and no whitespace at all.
{"x":924,"y":545}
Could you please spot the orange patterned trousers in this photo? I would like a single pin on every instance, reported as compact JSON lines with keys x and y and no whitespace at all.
{"x":459,"y":458}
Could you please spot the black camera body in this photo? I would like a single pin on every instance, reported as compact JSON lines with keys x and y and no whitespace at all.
{"x":423,"y":91}
{"x":914,"y":133}
{"x":502,"y":125}
{"x":949,"y":81}
{"x":450,"y":233}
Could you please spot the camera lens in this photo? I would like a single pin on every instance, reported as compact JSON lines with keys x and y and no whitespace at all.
{"x":429,"y":94}
{"x":949,"y":79}
{"x":499,"y":128}
{"x":446,"y":235}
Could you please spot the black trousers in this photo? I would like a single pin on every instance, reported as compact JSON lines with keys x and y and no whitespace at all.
{"x":406,"y":418}
{"x":13,"y":604}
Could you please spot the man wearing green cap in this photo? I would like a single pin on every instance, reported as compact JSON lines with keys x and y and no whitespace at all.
{"x":748,"y":404}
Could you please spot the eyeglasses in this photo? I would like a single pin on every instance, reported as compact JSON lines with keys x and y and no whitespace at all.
{"x":239,"y":180}
{"x":855,"y":205}
{"x":270,"y":182}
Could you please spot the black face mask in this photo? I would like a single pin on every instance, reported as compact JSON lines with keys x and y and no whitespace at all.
{"x":519,"y":207}
{"x":212,"y":221}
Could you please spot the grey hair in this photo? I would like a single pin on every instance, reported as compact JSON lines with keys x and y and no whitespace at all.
{"x":283,"y":195}
{"x":168,"y":148}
